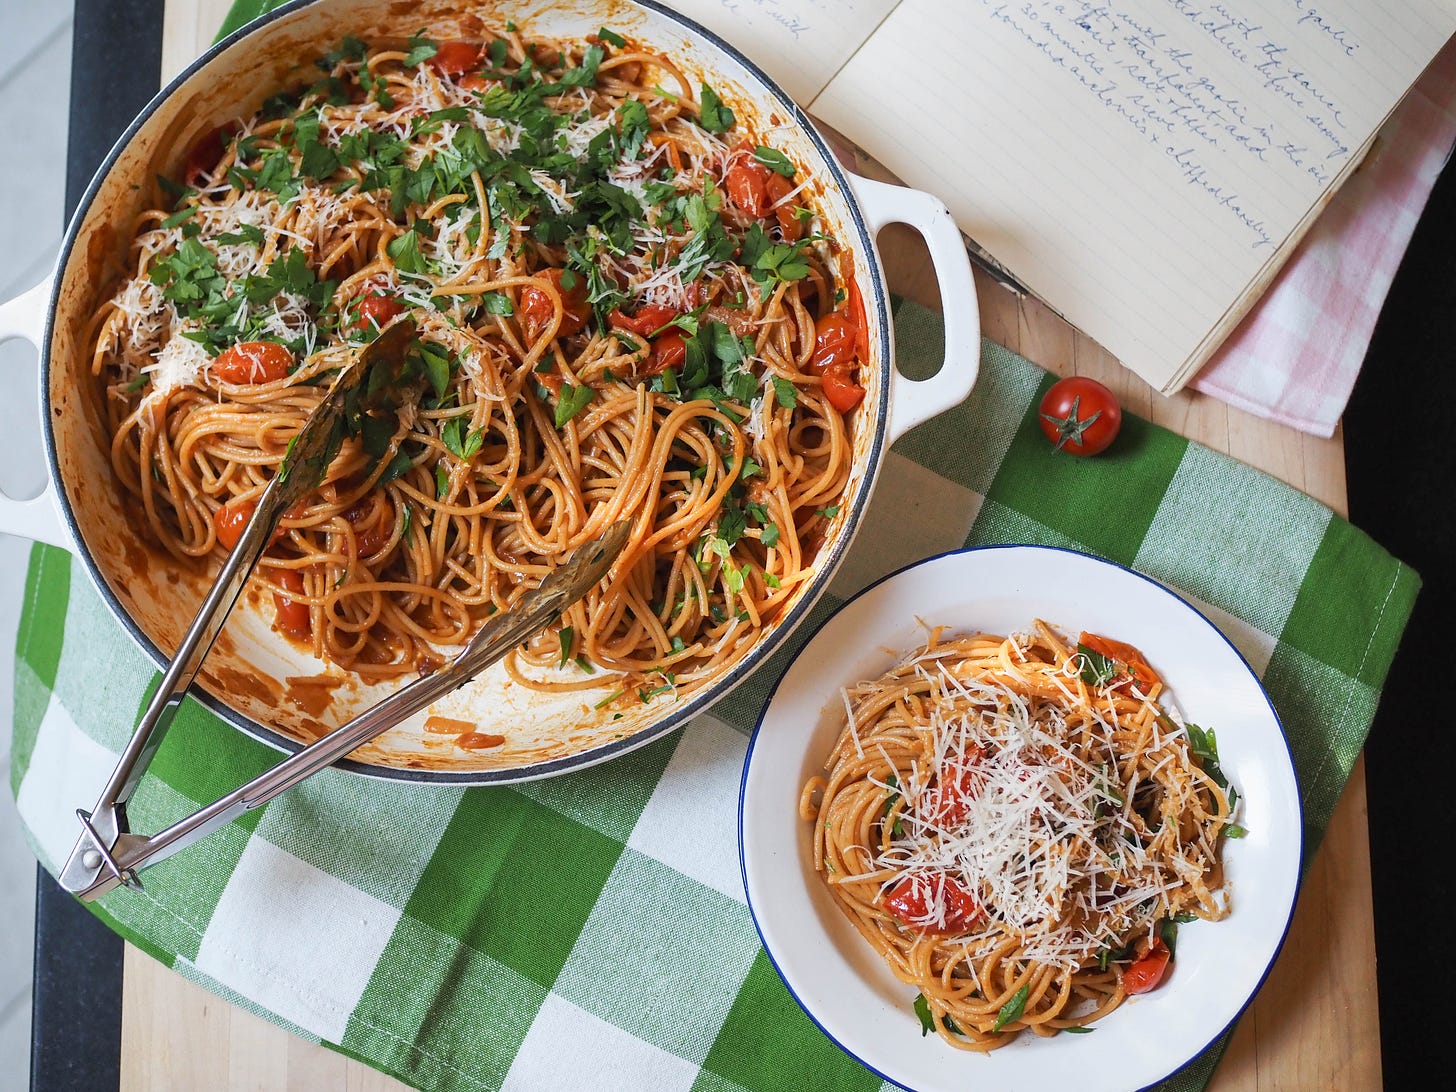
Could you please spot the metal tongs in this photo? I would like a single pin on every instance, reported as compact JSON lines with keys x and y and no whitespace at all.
{"x":107,"y":853}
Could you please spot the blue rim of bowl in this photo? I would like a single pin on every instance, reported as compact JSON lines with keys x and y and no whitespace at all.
{"x":773,"y":693}
{"x":828,"y":561}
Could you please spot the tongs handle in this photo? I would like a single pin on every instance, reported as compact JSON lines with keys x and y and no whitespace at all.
{"x":299,"y":474}
{"x":128,"y":853}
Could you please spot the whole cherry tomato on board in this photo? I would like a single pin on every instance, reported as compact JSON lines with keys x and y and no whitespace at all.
{"x":1079,"y":415}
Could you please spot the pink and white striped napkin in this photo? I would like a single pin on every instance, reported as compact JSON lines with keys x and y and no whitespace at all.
{"x":1295,"y":356}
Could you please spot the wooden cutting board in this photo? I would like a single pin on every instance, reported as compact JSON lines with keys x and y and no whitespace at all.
{"x":1315,"y":1024}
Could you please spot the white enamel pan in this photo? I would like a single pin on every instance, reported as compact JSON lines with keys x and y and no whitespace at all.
{"x":246,"y":678}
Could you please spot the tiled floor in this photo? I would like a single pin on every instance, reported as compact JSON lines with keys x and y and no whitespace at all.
{"x":37,"y":54}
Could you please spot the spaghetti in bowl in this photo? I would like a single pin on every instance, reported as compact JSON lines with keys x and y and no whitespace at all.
{"x":569,"y":374}
{"x":903,"y":890}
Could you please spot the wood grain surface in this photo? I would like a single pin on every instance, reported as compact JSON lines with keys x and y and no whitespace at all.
{"x":1315,"y":1023}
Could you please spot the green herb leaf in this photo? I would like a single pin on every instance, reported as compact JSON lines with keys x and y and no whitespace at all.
{"x":571,"y":402}
{"x":180,"y":217}
{"x":786,"y":392}
{"x":1079,"y":1031}
{"x":922,"y":1010}
{"x":420,"y":49}
{"x":566,"y":635}
{"x":246,"y":233}
{"x":770,"y":536}
{"x":1233,"y":830}
{"x":405,"y":250}
{"x":714,"y":116}
{"x":612,"y":38}
{"x":774,"y":160}
{"x":497,"y":303}
{"x":1012,"y":1010}
{"x":1097,"y":669}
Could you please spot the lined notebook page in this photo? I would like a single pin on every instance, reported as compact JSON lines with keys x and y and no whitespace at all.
{"x":1144,"y":166}
{"x":800,"y":43}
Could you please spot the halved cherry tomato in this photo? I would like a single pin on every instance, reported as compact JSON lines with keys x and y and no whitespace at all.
{"x":1079,"y":415}
{"x":778,"y":188}
{"x":747,"y":185}
{"x":291,"y":616}
{"x":911,"y":901}
{"x":668,"y":351}
{"x":253,"y":362}
{"x":453,"y":58}
{"x":956,"y":786}
{"x":841,"y":390}
{"x":476,"y":82}
{"x":1146,"y":973}
{"x":377,"y":311}
{"x":373,"y":522}
{"x":647,"y":321}
{"x":205,"y":154}
{"x":229,"y":520}
{"x":543,"y":56}
{"x":833,"y":342}
{"x":1124,"y":654}
{"x":538,"y":308}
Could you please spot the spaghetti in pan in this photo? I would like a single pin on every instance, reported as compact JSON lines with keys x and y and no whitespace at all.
{"x":626,"y":309}
{"x":1018,"y":827}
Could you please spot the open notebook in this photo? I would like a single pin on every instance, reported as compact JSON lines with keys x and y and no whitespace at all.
{"x":1143,"y":166}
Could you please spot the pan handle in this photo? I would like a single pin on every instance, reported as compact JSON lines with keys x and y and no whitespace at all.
{"x":37,"y":518}
{"x":914,"y":401}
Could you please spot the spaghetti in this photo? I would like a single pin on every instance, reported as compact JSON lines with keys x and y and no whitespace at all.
{"x":627,"y":309}
{"x":1017,"y":827}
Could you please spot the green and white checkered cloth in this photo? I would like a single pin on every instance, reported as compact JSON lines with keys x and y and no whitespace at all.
{"x":590,"y":931}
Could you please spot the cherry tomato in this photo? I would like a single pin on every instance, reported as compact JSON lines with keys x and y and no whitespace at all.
{"x":373,"y":523}
{"x":779,"y":187}
{"x":291,"y":616}
{"x":668,"y":351}
{"x":376,"y":311}
{"x":1146,"y":973}
{"x":229,"y":521}
{"x":453,"y":58}
{"x":747,"y":186}
{"x":253,"y":362}
{"x":647,"y":321}
{"x":841,"y":390}
{"x":956,"y":786}
{"x":911,"y":901}
{"x":1079,"y":415}
{"x":476,"y":82}
{"x":834,"y":336}
{"x":1125,"y":655}
{"x":538,"y":308}
{"x":204,"y":155}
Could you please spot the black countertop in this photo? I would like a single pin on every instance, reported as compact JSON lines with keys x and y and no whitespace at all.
{"x":1400,"y":444}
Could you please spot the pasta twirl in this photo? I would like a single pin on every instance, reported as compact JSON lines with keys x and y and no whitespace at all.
{"x":627,"y":309}
{"x":1017,"y":827}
